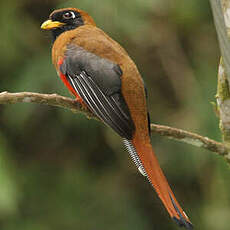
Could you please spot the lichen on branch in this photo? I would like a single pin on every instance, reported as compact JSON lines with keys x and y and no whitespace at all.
{"x":221,"y":14}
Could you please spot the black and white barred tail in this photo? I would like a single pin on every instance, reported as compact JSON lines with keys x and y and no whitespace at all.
{"x":133,"y":153}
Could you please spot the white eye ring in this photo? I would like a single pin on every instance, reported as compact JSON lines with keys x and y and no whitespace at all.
{"x":69,"y":15}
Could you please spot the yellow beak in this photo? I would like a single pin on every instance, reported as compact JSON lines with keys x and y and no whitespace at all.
{"x":49,"y":25}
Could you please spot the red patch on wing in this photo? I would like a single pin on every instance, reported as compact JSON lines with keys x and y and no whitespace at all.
{"x":67,"y":84}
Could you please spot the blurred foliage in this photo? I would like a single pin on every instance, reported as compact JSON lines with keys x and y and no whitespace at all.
{"x":59,"y":170}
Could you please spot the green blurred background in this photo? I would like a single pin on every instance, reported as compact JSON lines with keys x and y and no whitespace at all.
{"x":59,"y":170}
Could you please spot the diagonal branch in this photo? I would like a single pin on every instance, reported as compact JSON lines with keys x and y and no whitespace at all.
{"x":190,"y":138}
{"x":45,"y":99}
{"x":74,"y":106}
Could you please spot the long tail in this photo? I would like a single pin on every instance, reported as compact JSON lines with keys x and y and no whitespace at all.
{"x":147,"y":163}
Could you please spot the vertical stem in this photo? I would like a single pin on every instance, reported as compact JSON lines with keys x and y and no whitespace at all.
{"x":223,"y":103}
{"x":221,"y":14}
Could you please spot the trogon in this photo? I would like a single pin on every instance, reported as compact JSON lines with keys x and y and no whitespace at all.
{"x":102,"y":77}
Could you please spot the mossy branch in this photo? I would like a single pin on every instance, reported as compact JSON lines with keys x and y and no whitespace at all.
{"x":223,"y":103}
{"x":74,"y":106}
{"x":221,"y":15}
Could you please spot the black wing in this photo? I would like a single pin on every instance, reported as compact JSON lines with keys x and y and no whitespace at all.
{"x":98,"y":82}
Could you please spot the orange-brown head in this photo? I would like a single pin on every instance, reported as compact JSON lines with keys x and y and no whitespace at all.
{"x":62,"y":20}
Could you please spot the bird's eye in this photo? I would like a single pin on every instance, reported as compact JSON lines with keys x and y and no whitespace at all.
{"x":69,"y":15}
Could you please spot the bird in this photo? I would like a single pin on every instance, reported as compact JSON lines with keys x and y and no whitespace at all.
{"x":101,"y":75}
